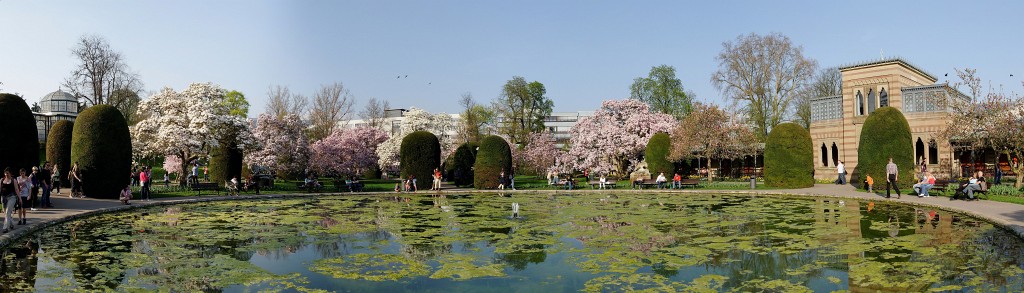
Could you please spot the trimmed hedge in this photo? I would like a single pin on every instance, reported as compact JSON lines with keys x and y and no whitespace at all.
{"x":462,"y":164}
{"x":58,"y":148}
{"x":885,"y":134}
{"x":493,"y":157}
{"x":102,"y":147}
{"x":419,"y":154}
{"x":225,"y":163}
{"x":19,"y":140}
{"x":788,"y":159}
{"x":656,"y":154}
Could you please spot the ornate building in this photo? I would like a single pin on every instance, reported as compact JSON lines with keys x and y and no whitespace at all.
{"x":836,"y":121}
{"x":54,"y":107}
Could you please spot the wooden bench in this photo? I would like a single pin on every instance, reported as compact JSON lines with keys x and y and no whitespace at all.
{"x":340,"y":185}
{"x":199,"y":187}
{"x":595,"y":184}
{"x":689,"y":182}
{"x":300,"y":185}
{"x":648,"y":183}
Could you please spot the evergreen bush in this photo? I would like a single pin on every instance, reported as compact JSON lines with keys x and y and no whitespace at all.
{"x":885,"y":134}
{"x":493,"y":157}
{"x":788,"y":160}
{"x":102,"y":147}
{"x":19,"y":140}
{"x":462,"y":164}
{"x":58,"y":148}
{"x":419,"y":154}
{"x":226,"y":163}
{"x":656,"y":155}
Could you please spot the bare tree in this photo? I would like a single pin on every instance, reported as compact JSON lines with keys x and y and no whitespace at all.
{"x":283,"y":102}
{"x":332,"y":104}
{"x":763,"y":75}
{"x":476,"y":119}
{"x":100,"y":73}
{"x":373,"y":113}
{"x":826,"y":83}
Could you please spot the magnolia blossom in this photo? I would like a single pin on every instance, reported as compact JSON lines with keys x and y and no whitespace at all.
{"x":172,"y":164}
{"x":415,"y":120}
{"x":346,"y":152}
{"x":285,"y":148}
{"x":539,"y":153}
{"x":188,"y":123}
{"x":615,"y":137}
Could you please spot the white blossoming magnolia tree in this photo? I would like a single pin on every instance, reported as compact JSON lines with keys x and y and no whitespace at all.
{"x":415,"y":120}
{"x":614,"y":138}
{"x":187,"y":124}
{"x":285,"y":147}
{"x":347,"y":152}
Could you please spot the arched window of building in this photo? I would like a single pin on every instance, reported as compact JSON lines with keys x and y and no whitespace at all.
{"x":824,"y":155}
{"x":835,"y":155}
{"x":860,"y":103}
{"x":872,"y":103}
{"x":918,"y":151}
{"x":933,"y":152}
{"x":883,"y":98}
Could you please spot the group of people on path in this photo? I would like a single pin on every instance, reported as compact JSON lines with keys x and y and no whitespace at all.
{"x":30,"y":191}
{"x":926,"y":182}
{"x":142,"y":177}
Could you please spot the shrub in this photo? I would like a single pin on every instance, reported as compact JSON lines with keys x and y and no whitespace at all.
{"x":58,"y":148}
{"x":788,"y":161}
{"x":885,"y":134}
{"x":225,"y":163}
{"x":19,"y":140}
{"x":102,"y":147}
{"x":420,"y":153}
{"x":493,"y":157}
{"x":656,"y":154}
{"x":462,"y":164}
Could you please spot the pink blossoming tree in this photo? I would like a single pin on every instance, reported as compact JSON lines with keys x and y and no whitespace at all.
{"x":347,"y":152}
{"x":613,"y":140}
{"x":539,"y":153}
{"x":285,"y":148}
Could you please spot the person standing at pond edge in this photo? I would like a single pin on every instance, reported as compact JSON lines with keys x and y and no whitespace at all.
{"x":891,"y":175}
{"x":25,"y":184}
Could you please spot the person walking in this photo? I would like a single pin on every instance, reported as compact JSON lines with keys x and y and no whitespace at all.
{"x":892,"y":175}
{"x":841,"y":169}
{"x":9,"y":190}
{"x":24,"y":190}
{"x":47,"y":185}
{"x":76,"y":181}
{"x":55,"y":178}
{"x":144,"y":179}
{"x":33,"y":197}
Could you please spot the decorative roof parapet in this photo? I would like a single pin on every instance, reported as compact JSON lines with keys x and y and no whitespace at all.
{"x":827,"y":98}
{"x":888,"y":61}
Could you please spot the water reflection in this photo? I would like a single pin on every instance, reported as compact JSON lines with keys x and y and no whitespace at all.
{"x":551,"y":242}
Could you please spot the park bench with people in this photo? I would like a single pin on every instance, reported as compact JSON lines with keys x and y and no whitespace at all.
{"x":199,"y":187}
{"x":348,"y":185}
{"x":595,"y":184}
{"x":961,"y":193}
{"x":312,"y":186}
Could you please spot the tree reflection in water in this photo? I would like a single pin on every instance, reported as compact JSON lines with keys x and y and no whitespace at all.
{"x":590,"y":242}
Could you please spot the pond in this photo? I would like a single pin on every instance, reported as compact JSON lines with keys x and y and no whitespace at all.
{"x":556,"y":243}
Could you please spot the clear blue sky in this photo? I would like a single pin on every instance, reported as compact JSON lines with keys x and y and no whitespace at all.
{"x":583,"y":51}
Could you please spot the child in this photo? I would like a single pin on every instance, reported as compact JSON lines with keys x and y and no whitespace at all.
{"x":871,"y":183}
{"x":126,"y":195}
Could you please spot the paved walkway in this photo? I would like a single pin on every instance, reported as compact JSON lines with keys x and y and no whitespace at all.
{"x":1006,"y":214}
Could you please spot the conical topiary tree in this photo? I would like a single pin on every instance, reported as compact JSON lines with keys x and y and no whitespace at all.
{"x":656,"y":155}
{"x":225,"y":163}
{"x":102,"y":147}
{"x":19,"y":139}
{"x":788,"y":161}
{"x":885,"y":134}
{"x":493,"y":157}
{"x":58,"y":148}
{"x":419,"y":154}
